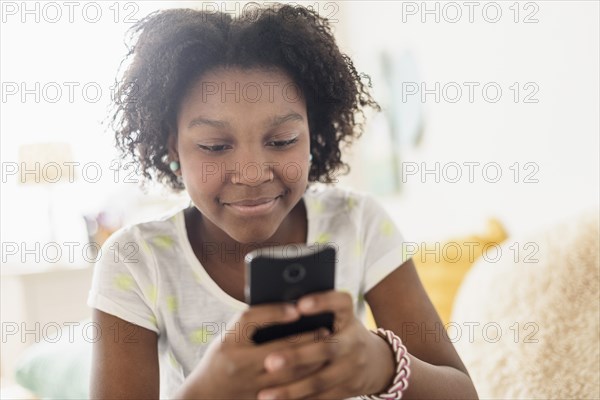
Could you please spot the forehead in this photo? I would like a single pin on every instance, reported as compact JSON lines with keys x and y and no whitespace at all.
{"x":230,"y":88}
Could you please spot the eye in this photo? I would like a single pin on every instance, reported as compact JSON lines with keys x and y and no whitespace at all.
{"x":214,"y":149}
{"x":282,"y":143}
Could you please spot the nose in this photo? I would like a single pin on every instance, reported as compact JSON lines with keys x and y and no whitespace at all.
{"x":252,"y":170}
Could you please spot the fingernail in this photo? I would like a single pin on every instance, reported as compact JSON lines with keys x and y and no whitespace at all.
{"x":307,"y":304}
{"x":275,"y":362}
{"x":267,"y":396}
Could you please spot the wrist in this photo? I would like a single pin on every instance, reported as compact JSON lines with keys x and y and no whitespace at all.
{"x":401,"y":371}
{"x":385,"y":369}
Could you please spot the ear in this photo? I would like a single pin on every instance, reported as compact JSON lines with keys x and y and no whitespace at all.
{"x":172,"y":147}
{"x":173,"y":154}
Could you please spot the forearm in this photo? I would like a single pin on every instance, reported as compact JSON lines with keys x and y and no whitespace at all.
{"x":429,"y":381}
{"x":438,"y":372}
{"x":426,"y":381}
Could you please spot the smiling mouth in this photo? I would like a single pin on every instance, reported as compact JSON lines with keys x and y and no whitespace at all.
{"x":254,"y":206}
{"x":253,"y":202}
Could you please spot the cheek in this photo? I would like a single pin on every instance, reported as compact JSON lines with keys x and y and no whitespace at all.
{"x":201,"y":177}
{"x":293,"y":172}
{"x":293,"y":167}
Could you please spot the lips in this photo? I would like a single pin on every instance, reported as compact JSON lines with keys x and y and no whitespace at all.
{"x":253,"y":207}
{"x":252,"y":202}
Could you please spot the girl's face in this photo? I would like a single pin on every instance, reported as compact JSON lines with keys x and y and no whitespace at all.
{"x":243,"y":145}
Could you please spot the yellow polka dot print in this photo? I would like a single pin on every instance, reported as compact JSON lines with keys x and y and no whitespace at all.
{"x":123,"y":282}
{"x":386,"y":228}
{"x":196,"y":276}
{"x":201,"y":336}
{"x":173,"y":361}
{"x":152,"y":293}
{"x":164,"y":242}
{"x":145,"y":247}
{"x":323,"y":237}
{"x":171,"y":303}
{"x":316,"y":206}
{"x":350,"y":203}
{"x":358,"y":248}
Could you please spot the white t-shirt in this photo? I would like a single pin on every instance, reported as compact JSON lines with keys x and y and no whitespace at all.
{"x":148,"y":274}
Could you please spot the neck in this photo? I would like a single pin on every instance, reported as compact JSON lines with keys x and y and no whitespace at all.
{"x":213,"y":246}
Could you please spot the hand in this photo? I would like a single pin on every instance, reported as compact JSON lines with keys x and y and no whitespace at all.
{"x":233,"y":365}
{"x":355,"y":360}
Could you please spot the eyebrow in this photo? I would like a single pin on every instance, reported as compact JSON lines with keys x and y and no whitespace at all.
{"x":274,"y":122}
{"x":280,"y":119}
{"x":210,"y":122}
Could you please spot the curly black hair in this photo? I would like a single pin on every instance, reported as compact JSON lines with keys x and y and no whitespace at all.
{"x":172,"y":48}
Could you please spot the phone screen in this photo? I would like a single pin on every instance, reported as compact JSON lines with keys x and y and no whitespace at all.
{"x":284,"y":274}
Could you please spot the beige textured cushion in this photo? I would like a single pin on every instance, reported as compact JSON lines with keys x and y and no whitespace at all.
{"x":547,"y":307}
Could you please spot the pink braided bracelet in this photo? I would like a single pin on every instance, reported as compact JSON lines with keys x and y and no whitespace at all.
{"x":400,"y":382}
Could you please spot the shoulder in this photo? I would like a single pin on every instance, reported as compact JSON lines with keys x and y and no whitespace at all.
{"x":345,"y":208}
{"x":160,"y":231}
{"x":332,"y":200}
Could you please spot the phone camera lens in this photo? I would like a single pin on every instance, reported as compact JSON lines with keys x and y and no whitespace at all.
{"x":294,"y":273}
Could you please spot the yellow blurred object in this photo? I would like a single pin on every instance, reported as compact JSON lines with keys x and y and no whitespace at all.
{"x":442,"y":266}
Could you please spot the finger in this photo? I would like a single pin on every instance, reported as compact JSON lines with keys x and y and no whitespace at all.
{"x":340,"y":303}
{"x":287,"y":374}
{"x":279,"y":372}
{"x":300,"y":356}
{"x":325,"y":379}
{"x":259,"y":316}
{"x":292,"y":341}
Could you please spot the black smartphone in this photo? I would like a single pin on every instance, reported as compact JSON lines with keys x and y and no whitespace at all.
{"x":284,"y":274}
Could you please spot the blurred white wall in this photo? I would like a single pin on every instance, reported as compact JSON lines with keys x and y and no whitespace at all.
{"x":557,"y":136}
{"x":59,"y":63}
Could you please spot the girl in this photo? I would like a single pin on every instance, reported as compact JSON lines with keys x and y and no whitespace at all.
{"x":245,"y":115}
